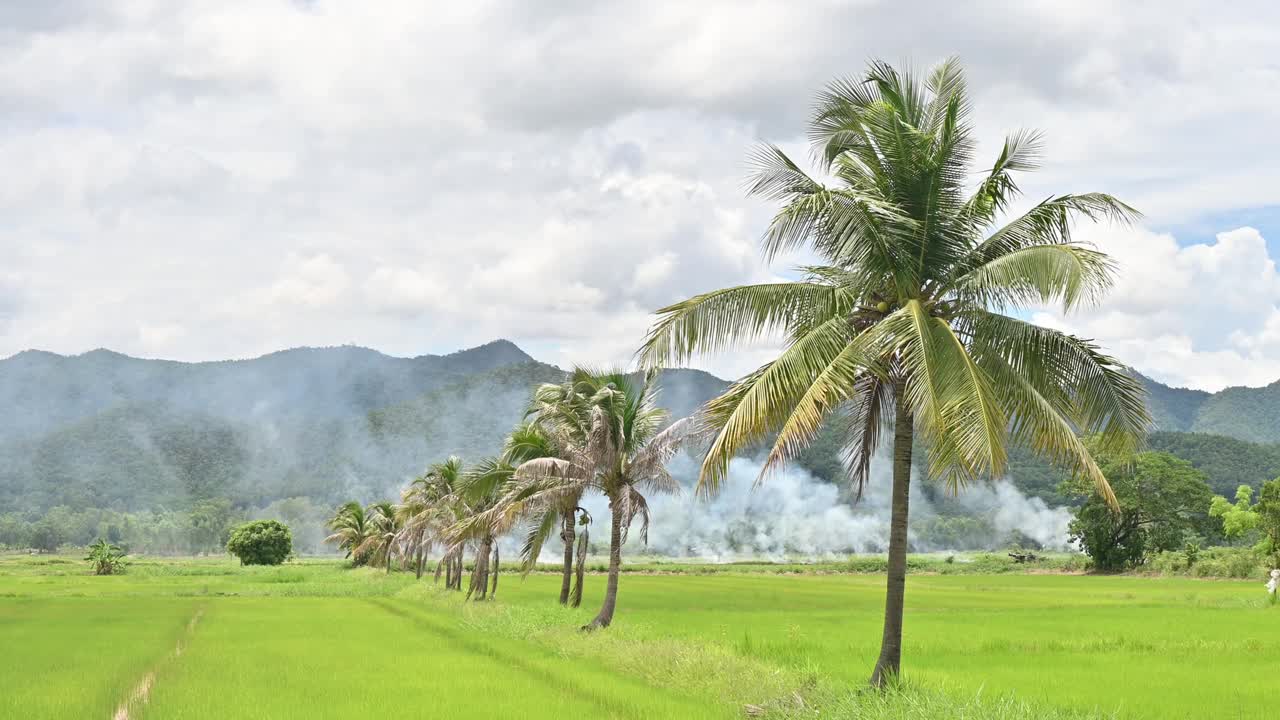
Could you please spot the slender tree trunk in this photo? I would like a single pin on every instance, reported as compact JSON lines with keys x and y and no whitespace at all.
{"x":891,"y":644}
{"x":493,"y":591}
{"x":566,"y":534}
{"x":605,"y":615}
{"x":580,"y":568}
{"x":422,"y":558}
{"x":458,"y":567}
{"x":479,"y":587}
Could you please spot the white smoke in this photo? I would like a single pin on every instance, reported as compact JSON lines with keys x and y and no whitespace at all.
{"x":1010,"y":511}
{"x":793,"y":515}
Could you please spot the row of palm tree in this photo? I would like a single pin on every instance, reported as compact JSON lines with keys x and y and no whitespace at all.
{"x":909,"y":322}
{"x":596,"y":432}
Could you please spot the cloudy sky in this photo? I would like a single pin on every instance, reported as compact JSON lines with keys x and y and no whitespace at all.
{"x":199,"y":179}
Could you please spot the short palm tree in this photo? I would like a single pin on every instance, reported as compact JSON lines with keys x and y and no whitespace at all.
{"x":380,"y":543}
{"x":427,"y":508}
{"x":351,"y":529}
{"x":555,"y":405}
{"x":612,"y":442}
{"x":905,"y":322}
{"x":482,"y":489}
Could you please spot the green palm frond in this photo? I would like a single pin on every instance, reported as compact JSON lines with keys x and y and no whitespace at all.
{"x":543,"y":527}
{"x":713,"y":321}
{"x":764,"y":399}
{"x":833,"y":386}
{"x":1065,"y":273}
{"x":1092,"y":391}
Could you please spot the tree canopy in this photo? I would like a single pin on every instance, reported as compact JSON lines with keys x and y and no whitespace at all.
{"x":1161,"y":500}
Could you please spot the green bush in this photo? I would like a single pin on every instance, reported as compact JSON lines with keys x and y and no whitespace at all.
{"x":261,"y":542}
{"x":1215,"y":562}
{"x":105,"y":558}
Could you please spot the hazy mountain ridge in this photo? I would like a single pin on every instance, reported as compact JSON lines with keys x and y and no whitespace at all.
{"x":1243,"y":413}
{"x":108,"y":430}
{"x":103,"y":429}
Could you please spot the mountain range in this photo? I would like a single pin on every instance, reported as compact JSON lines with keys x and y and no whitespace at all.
{"x":104,"y":429}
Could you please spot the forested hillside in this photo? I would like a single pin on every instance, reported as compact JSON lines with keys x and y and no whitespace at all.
{"x":1251,"y":414}
{"x":103,"y":430}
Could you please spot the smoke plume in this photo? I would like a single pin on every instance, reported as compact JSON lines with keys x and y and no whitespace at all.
{"x":793,"y":515}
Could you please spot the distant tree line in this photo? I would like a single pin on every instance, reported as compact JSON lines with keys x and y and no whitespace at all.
{"x":203,"y":527}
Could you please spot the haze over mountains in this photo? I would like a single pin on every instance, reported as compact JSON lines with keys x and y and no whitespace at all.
{"x":107,"y":430}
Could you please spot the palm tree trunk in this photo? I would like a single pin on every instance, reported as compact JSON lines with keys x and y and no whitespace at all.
{"x":580,"y":568}
{"x":891,"y":643}
{"x":479,"y":587}
{"x":605,"y":615}
{"x":566,"y":534}
{"x":422,"y":557}
{"x":493,"y":591}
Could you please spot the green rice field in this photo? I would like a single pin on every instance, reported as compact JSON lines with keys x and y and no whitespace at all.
{"x":205,"y":638}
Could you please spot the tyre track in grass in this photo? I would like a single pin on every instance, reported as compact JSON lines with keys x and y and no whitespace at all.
{"x":140,"y":695}
{"x":512,"y":661}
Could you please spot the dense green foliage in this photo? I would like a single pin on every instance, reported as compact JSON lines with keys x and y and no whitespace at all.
{"x":261,"y":542}
{"x":1269,"y":515}
{"x":1239,"y":518}
{"x":1161,"y":499}
{"x":203,"y":529}
{"x":1249,"y":414}
{"x":1226,"y":462}
{"x":1216,"y":562}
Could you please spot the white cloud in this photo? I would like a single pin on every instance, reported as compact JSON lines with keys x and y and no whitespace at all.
{"x":405,"y":290}
{"x":418,"y":177}
{"x":1201,"y":315}
{"x":317,"y":281}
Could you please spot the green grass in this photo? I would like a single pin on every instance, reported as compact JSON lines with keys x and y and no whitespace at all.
{"x":315,"y":640}
{"x":76,"y":657}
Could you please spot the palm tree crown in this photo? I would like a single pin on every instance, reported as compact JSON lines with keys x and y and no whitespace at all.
{"x":914,"y":292}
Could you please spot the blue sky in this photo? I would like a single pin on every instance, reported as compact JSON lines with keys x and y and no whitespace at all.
{"x":1202,"y":229}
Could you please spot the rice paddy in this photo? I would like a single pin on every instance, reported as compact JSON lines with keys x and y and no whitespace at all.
{"x":205,"y":638}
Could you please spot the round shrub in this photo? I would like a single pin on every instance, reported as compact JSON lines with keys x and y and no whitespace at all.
{"x":261,"y":542}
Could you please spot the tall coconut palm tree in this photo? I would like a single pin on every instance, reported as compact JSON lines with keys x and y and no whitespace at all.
{"x":906,"y":320}
{"x":351,"y":528}
{"x":613,"y":442}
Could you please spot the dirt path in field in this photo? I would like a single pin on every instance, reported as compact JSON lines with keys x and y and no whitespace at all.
{"x":141,"y":693}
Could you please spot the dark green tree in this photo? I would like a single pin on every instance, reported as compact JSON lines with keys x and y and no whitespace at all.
{"x":1160,"y":498}
{"x":47,"y":536}
{"x":1268,"y":509}
{"x":261,"y":542}
{"x":211,"y":522}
